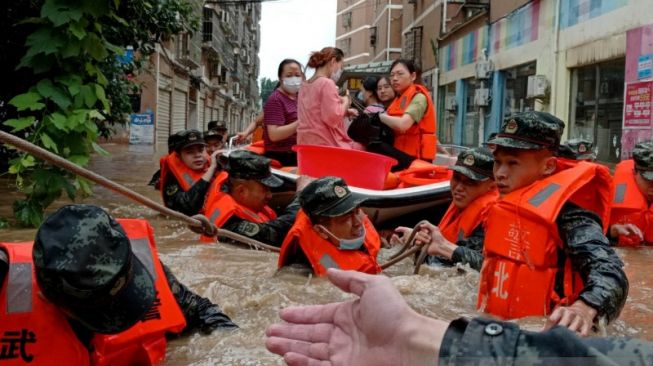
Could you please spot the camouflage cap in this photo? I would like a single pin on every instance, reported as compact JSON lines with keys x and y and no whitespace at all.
{"x":213,"y":134}
{"x":643,"y":156}
{"x":328,"y":196}
{"x":173,"y":141}
{"x":217,"y":125}
{"x":529,"y":130}
{"x":84,"y":264}
{"x":577,"y":149}
{"x":188,"y":138}
{"x":243,"y":164}
{"x":476,"y":164}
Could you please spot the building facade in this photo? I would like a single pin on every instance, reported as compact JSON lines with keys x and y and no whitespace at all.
{"x":209,"y":75}
{"x":587,"y":61}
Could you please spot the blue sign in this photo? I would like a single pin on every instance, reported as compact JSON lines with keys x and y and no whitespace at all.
{"x":141,"y":128}
{"x":645,"y":67}
{"x":127,"y":57}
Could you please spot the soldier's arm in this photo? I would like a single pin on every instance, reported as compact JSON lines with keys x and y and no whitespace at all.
{"x":470,"y":249}
{"x":606,"y":285}
{"x":199,"y":312}
{"x":272,"y":232}
{"x":490,"y":342}
{"x":189,"y":203}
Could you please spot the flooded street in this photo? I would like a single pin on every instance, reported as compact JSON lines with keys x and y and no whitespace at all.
{"x":245,"y":283}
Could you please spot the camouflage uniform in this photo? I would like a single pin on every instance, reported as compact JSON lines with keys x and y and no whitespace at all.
{"x":72,"y":244}
{"x":606,"y":285}
{"x":191,"y":201}
{"x":489,"y":342}
{"x":643,"y":157}
{"x":577,"y":149}
{"x":476,"y":164}
{"x":247,"y":165}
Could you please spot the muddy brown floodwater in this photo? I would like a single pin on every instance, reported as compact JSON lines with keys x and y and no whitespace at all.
{"x":248,"y":287}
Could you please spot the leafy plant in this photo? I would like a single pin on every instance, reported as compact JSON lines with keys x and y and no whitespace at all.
{"x":78,"y":88}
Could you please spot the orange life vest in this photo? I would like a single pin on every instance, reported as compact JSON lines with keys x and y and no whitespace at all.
{"x":219,"y":207}
{"x":145,"y":342}
{"x":419,"y":140}
{"x":522,"y":242}
{"x":457,"y":225}
{"x":33,"y":330}
{"x":185,"y":176}
{"x":322,"y":254}
{"x":629,"y":204}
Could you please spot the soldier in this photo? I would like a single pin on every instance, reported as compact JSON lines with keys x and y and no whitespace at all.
{"x":459,"y":236}
{"x":331,"y":231}
{"x":187,"y":172}
{"x":576,"y":150}
{"x":380,"y":329}
{"x":215,"y":136}
{"x":631,"y":220}
{"x":545,"y":251}
{"x":98,"y":293}
{"x":240,"y":204}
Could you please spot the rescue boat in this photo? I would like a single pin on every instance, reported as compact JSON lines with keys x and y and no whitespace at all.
{"x":389,"y":196}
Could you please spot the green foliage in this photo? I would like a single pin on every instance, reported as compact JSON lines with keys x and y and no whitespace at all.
{"x":78,"y":87}
{"x":267,"y":87}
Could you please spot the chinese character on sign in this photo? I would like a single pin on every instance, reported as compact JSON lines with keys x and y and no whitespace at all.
{"x":13,"y":344}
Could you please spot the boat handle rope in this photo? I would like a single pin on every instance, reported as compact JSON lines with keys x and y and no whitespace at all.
{"x":197,"y":223}
{"x":408,"y":249}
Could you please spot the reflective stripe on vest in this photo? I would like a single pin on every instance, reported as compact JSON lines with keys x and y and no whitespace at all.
{"x":620,"y":193}
{"x":189,"y":180}
{"x":141,"y":248}
{"x":327,"y":262}
{"x":19,"y":288}
{"x":541,"y":196}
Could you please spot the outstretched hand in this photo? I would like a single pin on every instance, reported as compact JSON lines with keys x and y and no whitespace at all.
{"x":377,"y":329}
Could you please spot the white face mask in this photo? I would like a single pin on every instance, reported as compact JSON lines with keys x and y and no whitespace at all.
{"x":292,"y":84}
{"x":336,"y":76}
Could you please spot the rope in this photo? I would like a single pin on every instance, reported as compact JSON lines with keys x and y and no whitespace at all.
{"x":197,"y":223}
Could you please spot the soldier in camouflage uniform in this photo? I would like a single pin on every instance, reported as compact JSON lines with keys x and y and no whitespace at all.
{"x":81,"y":250}
{"x":380,"y":329}
{"x":215,"y":136}
{"x":523,"y":155}
{"x":473,"y":190}
{"x":577,"y":149}
{"x":249,"y":185}
{"x":189,"y":202}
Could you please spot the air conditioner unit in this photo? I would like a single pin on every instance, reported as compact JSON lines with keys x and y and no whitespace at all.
{"x":538,"y":87}
{"x":198,"y":73}
{"x":450,"y":103}
{"x":484,"y":69}
{"x":482,"y":97}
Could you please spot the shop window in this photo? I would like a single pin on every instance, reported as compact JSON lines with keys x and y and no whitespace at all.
{"x":597,"y":106}
{"x":516,"y":88}
{"x":472,"y":115}
{"x":446,"y":128}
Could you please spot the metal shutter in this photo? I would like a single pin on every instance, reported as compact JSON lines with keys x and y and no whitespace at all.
{"x":179,"y":110}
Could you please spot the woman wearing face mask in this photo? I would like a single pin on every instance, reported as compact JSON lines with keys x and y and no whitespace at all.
{"x":411,"y":115}
{"x":320,"y":109}
{"x":280,"y":114}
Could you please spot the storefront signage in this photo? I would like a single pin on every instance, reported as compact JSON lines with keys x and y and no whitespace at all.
{"x":645,"y":67}
{"x":141,"y":128}
{"x":637,"y":104}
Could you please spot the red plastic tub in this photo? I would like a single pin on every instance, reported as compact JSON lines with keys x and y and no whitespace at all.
{"x":358,"y":168}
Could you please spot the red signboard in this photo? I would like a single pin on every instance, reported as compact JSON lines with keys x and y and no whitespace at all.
{"x":637,"y":105}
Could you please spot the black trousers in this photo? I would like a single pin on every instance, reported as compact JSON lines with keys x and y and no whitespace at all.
{"x":404,"y":160}
{"x":286,"y":158}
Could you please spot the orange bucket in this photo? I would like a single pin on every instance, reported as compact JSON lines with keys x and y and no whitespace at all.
{"x":358,"y":168}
